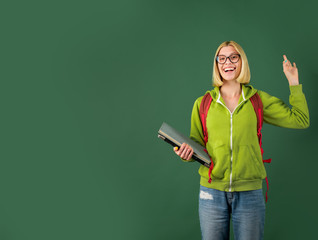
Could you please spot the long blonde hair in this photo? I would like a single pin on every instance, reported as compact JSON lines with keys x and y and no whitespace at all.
{"x":245,"y":74}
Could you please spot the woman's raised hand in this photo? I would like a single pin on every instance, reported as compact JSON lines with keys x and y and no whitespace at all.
{"x":185,"y":151}
{"x":291,"y":72}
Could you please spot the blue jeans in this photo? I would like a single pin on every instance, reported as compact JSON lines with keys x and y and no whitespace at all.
{"x":246,"y":208}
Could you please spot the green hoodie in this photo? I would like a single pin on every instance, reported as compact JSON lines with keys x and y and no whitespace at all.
{"x":232,"y":137}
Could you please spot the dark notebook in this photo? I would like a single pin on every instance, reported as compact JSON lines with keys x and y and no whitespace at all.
{"x":175,"y":138}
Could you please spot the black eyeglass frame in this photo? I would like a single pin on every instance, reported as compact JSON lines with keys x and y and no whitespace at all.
{"x":239,"y":56}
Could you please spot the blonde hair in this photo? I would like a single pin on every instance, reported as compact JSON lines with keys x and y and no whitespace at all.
{"x":245,"y":74}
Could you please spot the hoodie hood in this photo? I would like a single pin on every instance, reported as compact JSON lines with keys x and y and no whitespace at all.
{"x":247,"y":92}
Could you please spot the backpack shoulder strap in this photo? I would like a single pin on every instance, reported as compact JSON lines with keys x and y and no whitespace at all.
{"x":258,"y":108}
{"x":204,"y":108}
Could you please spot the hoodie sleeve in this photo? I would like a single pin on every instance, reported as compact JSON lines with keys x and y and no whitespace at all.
{"x":196,"y":133}
{"x":277,"y":113}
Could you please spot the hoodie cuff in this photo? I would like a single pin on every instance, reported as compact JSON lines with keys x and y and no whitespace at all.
{"x":296,"y":89}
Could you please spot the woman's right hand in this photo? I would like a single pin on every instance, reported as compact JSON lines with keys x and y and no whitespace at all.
{"x":185,"y":151}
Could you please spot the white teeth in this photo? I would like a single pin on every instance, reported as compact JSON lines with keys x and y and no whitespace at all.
{"x":228,"y":69}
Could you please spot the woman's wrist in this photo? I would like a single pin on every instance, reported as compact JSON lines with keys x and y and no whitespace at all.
{"x":293,"y":83}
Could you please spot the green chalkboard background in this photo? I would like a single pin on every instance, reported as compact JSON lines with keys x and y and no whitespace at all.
{"x":85,"y":85}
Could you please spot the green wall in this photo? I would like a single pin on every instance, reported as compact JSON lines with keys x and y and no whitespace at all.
{"x":85,"y":85}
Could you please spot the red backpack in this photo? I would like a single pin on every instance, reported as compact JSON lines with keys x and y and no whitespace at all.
{"x":258,"y":108}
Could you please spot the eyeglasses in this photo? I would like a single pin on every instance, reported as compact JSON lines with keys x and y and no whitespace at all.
{"x":234,"y":58}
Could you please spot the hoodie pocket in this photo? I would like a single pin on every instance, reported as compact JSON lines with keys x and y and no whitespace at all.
{"x":248,"y":165}
{"x":221,"y":159}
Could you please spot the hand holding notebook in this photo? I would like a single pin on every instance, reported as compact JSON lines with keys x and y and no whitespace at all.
{"x":185,"y":151}
{"x":176,"y":139}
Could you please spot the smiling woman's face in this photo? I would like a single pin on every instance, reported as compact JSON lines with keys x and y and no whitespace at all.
{"x":228,"y":70}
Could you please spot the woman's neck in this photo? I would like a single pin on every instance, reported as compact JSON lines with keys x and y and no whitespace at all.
{"x":230,"y":89}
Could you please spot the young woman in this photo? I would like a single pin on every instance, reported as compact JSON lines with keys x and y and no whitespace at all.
{"x":236,"y":187}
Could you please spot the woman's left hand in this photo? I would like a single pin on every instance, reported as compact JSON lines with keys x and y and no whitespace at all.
{"x":291,"y":72}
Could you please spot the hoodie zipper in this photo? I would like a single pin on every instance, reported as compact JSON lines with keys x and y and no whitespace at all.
{"x":231,"y":136}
